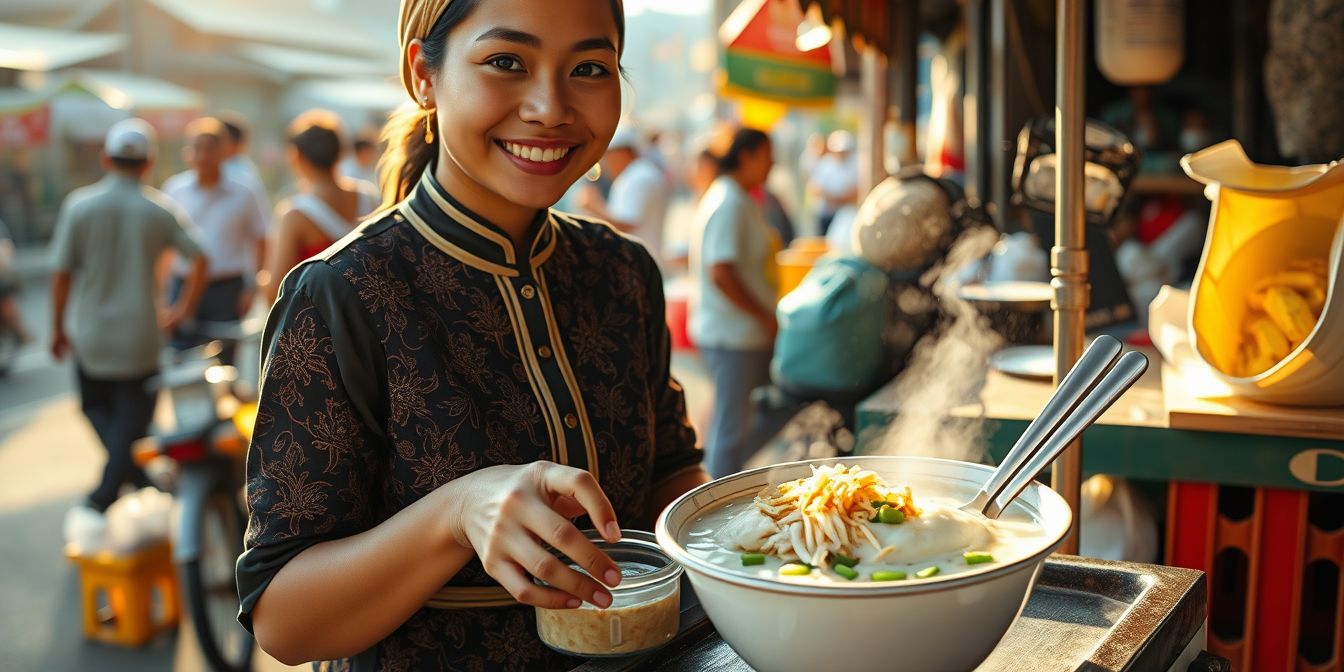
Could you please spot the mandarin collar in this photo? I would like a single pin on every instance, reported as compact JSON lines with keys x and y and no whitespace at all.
{"x":470,"y":238}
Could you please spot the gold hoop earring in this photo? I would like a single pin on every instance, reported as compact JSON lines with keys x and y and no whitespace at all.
{"x":595,"y":173}
{"x":429,"y":126}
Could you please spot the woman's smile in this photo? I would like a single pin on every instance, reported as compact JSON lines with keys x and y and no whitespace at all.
{"x":537,"y":156}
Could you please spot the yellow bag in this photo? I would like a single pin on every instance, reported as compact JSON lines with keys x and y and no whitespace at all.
{"x":1264,"y":219}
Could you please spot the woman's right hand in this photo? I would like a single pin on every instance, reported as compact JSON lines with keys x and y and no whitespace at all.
{"x":508,"y":513}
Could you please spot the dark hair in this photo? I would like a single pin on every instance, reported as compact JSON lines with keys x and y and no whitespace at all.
{"x":744,"y":140}
{"x":129,"y":165}
{"x":407,"y":153}
{"x":317,"y":136}
{"x":210,"y":127}
{"x":362,"y":144}
{"x":236,"y":125}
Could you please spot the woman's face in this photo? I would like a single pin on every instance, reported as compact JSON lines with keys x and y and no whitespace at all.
{"x":528,"y":97}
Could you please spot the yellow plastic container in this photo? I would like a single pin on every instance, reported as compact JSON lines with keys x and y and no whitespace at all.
{"x":1263,"y":218}
{"x":794,"y":264}
{"x":118,"y":594}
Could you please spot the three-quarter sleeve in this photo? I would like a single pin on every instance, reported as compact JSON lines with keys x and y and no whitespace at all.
{"x":674,"y":438}
{"x":314,"y":467}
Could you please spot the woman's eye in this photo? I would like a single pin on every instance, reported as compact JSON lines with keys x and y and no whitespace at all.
{"x":590,"y":70}
{"x":506,"y":63}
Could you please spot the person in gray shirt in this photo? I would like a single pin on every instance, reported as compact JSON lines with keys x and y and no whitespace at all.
{"x":108,"y":239}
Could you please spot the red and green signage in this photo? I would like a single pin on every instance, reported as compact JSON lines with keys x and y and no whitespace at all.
{"x":761,"y":59}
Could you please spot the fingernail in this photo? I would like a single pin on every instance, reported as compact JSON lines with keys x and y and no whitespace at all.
{"x":602,"y":599}
{"x":574,"y":604}
{"x":613,"y":577}
{"x":613,"y":532}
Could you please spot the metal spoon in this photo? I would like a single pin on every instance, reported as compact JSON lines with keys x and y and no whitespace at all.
{"x":1090,"y":388}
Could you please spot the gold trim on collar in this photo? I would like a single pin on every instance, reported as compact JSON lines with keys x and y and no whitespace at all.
{"x":566,"y":371}
{"x":535,"y":376}
{"x":540,"y":257}
{"x":449,"y":248}
{"x":466,"y":220}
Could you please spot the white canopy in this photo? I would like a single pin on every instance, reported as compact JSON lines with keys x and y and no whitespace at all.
{"x":125,"y":90}
{"x":45,"y":49}
{"x":281,"y":23}
{"x":302,"y":62}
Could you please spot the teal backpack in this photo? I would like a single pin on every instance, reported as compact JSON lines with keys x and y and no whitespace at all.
{"x":830,"y":328}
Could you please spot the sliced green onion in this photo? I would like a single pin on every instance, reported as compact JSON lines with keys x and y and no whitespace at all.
{"x":795,"y":569}
{"x":749,"y":559}
{"x":977,"y":558}
{"x":926,"y":572}
{"x":844,"y":560}
{"x":894,"y":575}
{"x":845,"y":571}
{"x":891,"y":516}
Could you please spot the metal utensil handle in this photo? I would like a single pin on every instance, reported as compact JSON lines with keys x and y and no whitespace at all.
{"x":1076,"y":384}
{"x":1119,"y":379}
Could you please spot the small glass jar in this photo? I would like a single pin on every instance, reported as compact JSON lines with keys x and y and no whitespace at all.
{"x":645,"y":609}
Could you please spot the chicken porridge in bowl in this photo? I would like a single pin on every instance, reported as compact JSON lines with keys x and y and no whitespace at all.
{"x":789,"y":559}
{"x":848,"y":524}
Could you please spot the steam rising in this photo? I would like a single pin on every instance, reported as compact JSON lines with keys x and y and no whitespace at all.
{"x":945,"y":370}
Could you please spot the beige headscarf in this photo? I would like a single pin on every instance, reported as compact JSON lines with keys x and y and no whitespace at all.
{"x":414,"y":23}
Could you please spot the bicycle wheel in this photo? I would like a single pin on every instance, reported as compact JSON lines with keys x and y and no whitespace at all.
{"x":211,"y":595}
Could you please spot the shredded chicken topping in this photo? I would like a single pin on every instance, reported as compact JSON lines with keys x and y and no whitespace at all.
{"x":828,"y":512}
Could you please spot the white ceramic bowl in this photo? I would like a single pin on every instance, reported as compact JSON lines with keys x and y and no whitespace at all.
{"x":949,"y":622}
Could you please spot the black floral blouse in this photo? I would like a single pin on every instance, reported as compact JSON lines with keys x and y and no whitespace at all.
{"x":420,"y":349}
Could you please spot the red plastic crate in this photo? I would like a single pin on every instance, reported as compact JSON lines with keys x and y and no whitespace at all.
{"x":1274,"y":560}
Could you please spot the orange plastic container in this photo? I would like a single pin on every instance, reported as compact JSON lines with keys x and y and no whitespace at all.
{"x":127,"y":599}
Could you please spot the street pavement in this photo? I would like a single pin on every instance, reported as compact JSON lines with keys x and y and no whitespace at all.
{"x":49,"y":459}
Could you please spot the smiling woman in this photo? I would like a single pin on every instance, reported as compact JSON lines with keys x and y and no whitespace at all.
{"x":449,"y":387}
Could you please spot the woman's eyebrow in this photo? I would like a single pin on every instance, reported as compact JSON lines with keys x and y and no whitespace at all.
{"x":510,"y":35}
{"x":594,"y":44}
{"x":530,"y":40}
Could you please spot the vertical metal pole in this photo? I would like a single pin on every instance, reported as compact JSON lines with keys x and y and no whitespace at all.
{"x":975,"y":107}
{"x":1001,"y":149}
{"x":906,"y":32}
{"x":1068,"y":259}
{"x":873,"y":74}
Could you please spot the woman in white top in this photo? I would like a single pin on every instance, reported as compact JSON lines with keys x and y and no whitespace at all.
{"x":327,"y":206}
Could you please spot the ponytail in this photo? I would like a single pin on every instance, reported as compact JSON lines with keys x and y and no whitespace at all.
{"x":407,"y":153}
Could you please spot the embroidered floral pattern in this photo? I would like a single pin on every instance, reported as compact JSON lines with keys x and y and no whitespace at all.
{"x":394,"y":368}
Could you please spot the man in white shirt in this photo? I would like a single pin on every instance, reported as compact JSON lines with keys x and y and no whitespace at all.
{"x":236,"y":163}
{"x":637,"y":204}
{"x":834,"y":182}
{"x":230,"y":225}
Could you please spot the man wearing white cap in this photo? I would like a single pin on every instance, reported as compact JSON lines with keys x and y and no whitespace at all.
{"x":637,"y":204}
{"x":108,"y":239}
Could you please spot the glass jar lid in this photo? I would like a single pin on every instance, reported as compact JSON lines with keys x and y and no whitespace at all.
{"x":641,"y":561}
